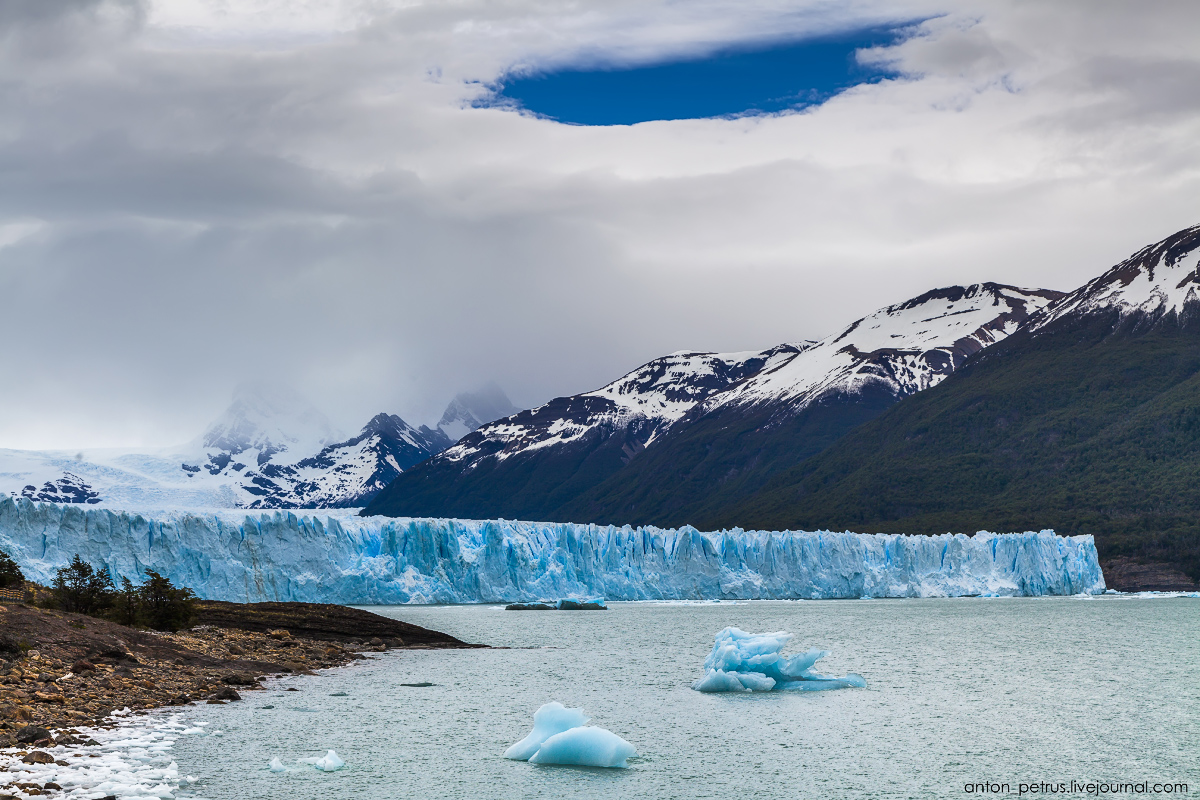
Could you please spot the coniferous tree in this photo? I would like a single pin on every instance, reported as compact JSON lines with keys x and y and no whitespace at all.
{"x":10,"y":574}
{"x":127,"y":603}
{"x":81,"y":589}
{"x":163,"y":606}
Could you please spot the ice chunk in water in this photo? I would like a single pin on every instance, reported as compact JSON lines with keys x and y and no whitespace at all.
{"x":328,"y":762}
{"x":548,"y":720}
{"x":276,"y":765}
{"x":585,"y":747}
{"x":559,"y":736}
{"x":741,"y":662}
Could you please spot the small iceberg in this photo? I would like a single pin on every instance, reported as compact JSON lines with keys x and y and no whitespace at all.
{"x":326,"y":763}
{"x":276,"y":765}
{"x":566,"y":604}
{"x":751,"y":662}
{"x":561,"y":735}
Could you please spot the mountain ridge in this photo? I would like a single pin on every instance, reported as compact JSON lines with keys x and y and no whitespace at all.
{"x":548,"y":462}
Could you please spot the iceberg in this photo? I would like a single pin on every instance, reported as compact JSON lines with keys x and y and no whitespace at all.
{"x":752,"y":662}
{"x":337,"y":557}
{"x":276,"y":765}
{"x":326,"y":763}
{"x":585,"y":747}
{"x":550,"y":719}
{"x":562,"y":736}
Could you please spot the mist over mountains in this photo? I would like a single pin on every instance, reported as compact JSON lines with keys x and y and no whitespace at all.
{"x":270,"y":448}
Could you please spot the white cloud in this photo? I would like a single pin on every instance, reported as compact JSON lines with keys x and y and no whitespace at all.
{"x":230,"y":189}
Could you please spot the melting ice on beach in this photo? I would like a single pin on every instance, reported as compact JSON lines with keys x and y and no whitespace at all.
{"x":751,"y":662}
{"x":561,"y":735}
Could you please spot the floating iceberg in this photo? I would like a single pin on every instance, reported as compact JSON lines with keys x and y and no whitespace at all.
{"x":336,"y":557}
{"x":566,"y":604}
{"x":548,"y":720}
{"x":561,"y":735}
{"x":327,"y":763}
{"x":751,"y":662}
{"x":585,"y":747}
{"x":276,"y":765}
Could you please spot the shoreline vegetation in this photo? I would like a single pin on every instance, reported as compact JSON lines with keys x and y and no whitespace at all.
{"x":60,"y":669}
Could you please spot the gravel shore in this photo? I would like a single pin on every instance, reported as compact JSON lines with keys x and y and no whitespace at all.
{"x":61,"y":670}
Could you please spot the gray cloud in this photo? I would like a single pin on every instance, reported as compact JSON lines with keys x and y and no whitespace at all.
{"x":194,"y":194}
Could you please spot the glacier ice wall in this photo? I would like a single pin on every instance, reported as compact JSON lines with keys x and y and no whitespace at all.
{"x":341,"y":558}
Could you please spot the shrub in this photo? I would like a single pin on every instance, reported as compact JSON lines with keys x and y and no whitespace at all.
{"x":10,"y":573}
{"x":165,"y":607}
{"x":81,"y":589}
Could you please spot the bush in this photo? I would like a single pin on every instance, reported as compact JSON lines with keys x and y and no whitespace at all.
{"x":165,"y":607}
{"x":82,"y":589}
{"x":10,"y":573}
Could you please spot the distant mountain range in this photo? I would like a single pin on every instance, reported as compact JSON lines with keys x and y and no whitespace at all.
{"x":967,"y":408}
{"x":269,"y":449}
{"x":693,"y":430}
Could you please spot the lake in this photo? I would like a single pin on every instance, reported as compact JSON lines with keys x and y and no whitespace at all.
{"x":959,"y":691}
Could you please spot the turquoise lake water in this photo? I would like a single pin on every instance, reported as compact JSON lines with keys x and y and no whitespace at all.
{"x":959,"y":691}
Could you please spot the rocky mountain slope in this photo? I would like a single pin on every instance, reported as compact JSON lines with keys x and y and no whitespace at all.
{"x":671,"y":432}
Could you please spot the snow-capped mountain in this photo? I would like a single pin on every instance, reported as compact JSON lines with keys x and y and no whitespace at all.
{"x":537,"y":464}
{"x":348,"y":474}
{"x":469,"y":410}
{"x":902,"y":349}
{"x":642,"y":404}
{"x":1156,"y":282}
{"x":269,"y":449}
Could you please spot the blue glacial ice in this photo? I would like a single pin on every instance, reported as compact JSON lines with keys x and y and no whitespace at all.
{"x":751,"y":662}
{"x":548,"y":720}
{"x":561,"y":735}
{"x":337,"y":557}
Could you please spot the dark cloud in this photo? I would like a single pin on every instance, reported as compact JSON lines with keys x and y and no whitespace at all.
{"x":303,"y":193}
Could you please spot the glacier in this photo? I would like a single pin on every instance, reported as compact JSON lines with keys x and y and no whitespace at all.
{"x":337,"y":557}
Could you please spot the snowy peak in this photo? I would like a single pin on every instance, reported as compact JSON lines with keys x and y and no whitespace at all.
{"x":903,"y":348}
{"x":1154,"y":282}
{"x":269,"y":419}
{"x":668,"y":387}
{"x":470,"y":410}
{"x":638,"y":406}
{"x":350,"y":473}
{"x":391,"y":428}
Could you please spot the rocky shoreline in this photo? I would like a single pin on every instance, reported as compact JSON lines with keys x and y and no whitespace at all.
{"x":60,"y":670}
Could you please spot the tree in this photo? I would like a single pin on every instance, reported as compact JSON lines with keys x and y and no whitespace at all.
{"x":127,"y":603}
{"x":82,"y":589}
{"x":163,"y":606}
{"x":10,"y":573}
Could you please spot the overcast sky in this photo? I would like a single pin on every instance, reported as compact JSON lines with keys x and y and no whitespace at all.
{"x":194,"y":193}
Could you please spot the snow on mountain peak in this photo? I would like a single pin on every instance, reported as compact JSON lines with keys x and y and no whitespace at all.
{"x":1157,"y":280}
{"x":650,"y":398}
{"x":905,"y":347}
{"x":470,"y":410}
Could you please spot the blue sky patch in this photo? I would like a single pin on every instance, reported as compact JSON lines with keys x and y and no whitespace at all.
{"x":768,"y":79}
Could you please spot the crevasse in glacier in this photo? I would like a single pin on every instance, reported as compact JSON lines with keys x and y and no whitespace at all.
{"x":340,"y":558}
